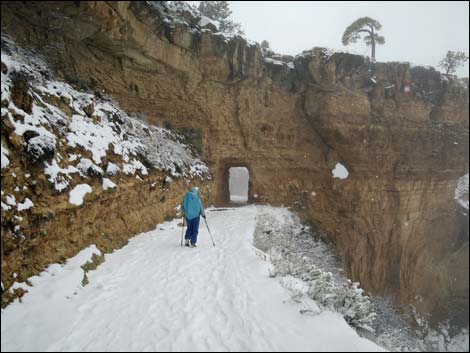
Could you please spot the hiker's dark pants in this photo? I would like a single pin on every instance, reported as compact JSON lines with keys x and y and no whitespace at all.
{"x":193,"y":229}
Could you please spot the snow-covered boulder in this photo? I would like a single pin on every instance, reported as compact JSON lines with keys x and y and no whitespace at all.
{"x":88,"y":168}
{"x":112,"y":169}
{"x":40,"y":148}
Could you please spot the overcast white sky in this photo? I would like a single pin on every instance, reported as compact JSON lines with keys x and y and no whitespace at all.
{"x":417,"y":32}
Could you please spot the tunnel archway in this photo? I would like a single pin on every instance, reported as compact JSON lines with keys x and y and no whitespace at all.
{"x":239,"y":169}
{"x":238,"y":184}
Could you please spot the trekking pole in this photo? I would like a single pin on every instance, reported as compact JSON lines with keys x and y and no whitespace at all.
{"x":209,"y":231}
{"x":182,"y":232}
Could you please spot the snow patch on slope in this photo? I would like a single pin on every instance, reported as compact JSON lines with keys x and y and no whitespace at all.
{"x":59,"y":177}
{"x":5,"y":161}
{"x":112,"y":169}
{"x":77,"y":194}
{"x":108,"y":184}
{"x":25,"y":205}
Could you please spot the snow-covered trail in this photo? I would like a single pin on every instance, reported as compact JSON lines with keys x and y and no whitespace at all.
{"x":153,"y":295}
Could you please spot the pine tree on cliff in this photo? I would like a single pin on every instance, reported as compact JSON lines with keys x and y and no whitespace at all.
{"x":220,"y":11}
{"x":453,"y":60}
{"x":265,"y":45}
{"x":369,"y":27}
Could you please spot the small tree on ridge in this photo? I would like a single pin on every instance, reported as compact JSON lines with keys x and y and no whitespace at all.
{"x":453,"y":60}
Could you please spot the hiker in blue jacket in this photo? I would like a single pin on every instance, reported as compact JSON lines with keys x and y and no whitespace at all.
{"x":192,"y":209}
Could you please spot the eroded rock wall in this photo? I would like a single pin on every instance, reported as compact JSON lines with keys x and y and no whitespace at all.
{"x":401,"y":132}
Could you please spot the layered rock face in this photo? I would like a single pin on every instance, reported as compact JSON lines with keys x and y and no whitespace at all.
{"x":401,"y":132}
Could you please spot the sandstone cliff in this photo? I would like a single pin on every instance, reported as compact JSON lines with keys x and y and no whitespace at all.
{"x":401,"y":132}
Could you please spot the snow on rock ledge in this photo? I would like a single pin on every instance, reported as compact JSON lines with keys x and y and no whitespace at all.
{"x":206,"y":22}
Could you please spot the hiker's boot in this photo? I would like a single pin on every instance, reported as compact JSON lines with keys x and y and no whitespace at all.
{"x":187,"y":242}
{"x":193,"y":245}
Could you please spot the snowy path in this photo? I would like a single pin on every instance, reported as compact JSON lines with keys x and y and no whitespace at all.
{"x":153,"y":295}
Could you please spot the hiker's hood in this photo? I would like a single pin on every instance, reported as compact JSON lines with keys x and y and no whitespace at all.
{"x":193,"y":193}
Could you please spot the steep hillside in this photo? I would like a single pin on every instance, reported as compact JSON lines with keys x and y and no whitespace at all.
{"x":400,"y":133}
{"x":71,"y":163}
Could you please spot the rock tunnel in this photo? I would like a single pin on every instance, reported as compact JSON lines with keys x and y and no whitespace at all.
{"x":235,"y":183}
